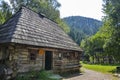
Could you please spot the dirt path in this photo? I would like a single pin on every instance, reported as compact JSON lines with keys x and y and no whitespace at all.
{"x":90,"y":75}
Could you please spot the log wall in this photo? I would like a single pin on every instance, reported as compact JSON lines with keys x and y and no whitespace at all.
{"x":21,"y":57}
{"x":65,"y":61}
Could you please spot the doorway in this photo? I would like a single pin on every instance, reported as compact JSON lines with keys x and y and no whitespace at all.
{"x":48,"y":60}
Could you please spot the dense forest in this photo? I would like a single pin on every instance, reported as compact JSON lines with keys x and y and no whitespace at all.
{"x":104,"y":46}
{"x":81,"y":27}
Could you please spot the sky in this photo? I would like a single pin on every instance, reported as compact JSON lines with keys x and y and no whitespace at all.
{"x":7,"y":1}
{"x":86,"y":8}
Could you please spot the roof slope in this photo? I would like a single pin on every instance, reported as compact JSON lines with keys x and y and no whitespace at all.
{"x":28,"y":27}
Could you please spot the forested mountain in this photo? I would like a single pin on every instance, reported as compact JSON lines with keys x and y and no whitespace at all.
{"x":82,"y":27}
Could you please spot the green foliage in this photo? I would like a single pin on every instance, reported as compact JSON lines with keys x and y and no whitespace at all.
{"x":2,"y":19}
{"x":107,"y":39}
{"x":47,"y":7}
{"x":82,"y":27}
{"x":76,"y":35}
{"x":94,"y":46}
{"x":45,"y":75}
{"x":5,"y":11}
{"x":63,"y":25}
{"x":113,"y":44}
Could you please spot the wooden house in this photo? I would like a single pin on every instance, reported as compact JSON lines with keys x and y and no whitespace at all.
{"x":31,"y":41}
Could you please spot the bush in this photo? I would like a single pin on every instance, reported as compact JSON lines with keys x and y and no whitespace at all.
{"x":43,"y":75}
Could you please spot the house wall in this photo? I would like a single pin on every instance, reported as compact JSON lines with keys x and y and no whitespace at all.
{"x":63,"y":60}
{"x":66,"y":61}
{"x":25,"y":63}
{"x":20,"y":59}
{"x":3,"y":54}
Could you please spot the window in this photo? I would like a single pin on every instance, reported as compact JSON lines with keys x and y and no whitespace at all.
{"x":33,"y":54}
{"x":60,"y":56}
{"x":3,"y":53}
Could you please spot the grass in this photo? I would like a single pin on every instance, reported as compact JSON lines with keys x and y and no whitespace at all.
{"x":101,"y":68}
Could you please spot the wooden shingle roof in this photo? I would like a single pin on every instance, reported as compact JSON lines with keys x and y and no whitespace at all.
{"x":28,"y":27}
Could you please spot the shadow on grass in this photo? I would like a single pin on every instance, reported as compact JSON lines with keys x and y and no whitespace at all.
{"x":103,"y":64}
{"x":112,"y":71}
{"x":110,"y":64}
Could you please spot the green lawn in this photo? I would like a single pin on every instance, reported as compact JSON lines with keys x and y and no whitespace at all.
{"x":100,"y":68}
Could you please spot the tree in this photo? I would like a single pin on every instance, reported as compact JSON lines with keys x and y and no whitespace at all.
{"x":108,"y":37}
{"x":95,"y":45}
{"x":5,"y":12}
{"x":48,"y":7}
{"x":112,"y":8}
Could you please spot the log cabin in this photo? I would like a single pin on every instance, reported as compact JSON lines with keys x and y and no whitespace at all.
{"x":29,"y":40}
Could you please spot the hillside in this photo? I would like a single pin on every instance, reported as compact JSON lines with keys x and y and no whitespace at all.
{"x":81,"y":27}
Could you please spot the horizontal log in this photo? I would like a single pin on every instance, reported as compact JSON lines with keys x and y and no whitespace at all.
{"x":23,"y":56}
{"x":24,"y":53}
{"x":71,"y":66}
{"x":24,"y":62}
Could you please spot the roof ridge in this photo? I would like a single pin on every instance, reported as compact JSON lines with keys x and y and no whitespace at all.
{"x":39,"y":13}
{"x":25,"y":7}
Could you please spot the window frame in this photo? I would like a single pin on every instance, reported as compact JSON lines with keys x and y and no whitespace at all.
{"x":33,"y":54}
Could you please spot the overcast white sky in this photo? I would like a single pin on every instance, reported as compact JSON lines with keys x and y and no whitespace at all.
{"x":86,"y":8}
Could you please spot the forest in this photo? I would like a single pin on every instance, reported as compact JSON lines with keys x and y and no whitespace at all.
{"x":81,"y":27}
{"x":102,"y":47}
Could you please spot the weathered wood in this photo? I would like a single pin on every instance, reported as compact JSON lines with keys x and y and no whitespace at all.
{"x":67,"y":62}
{"x":21,"y":55}
{"x":61,"y":63}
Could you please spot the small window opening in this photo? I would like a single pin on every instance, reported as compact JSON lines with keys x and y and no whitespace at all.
{"x":33,"y":54}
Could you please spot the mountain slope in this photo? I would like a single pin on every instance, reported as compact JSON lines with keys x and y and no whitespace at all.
{"x":81,"y":27}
